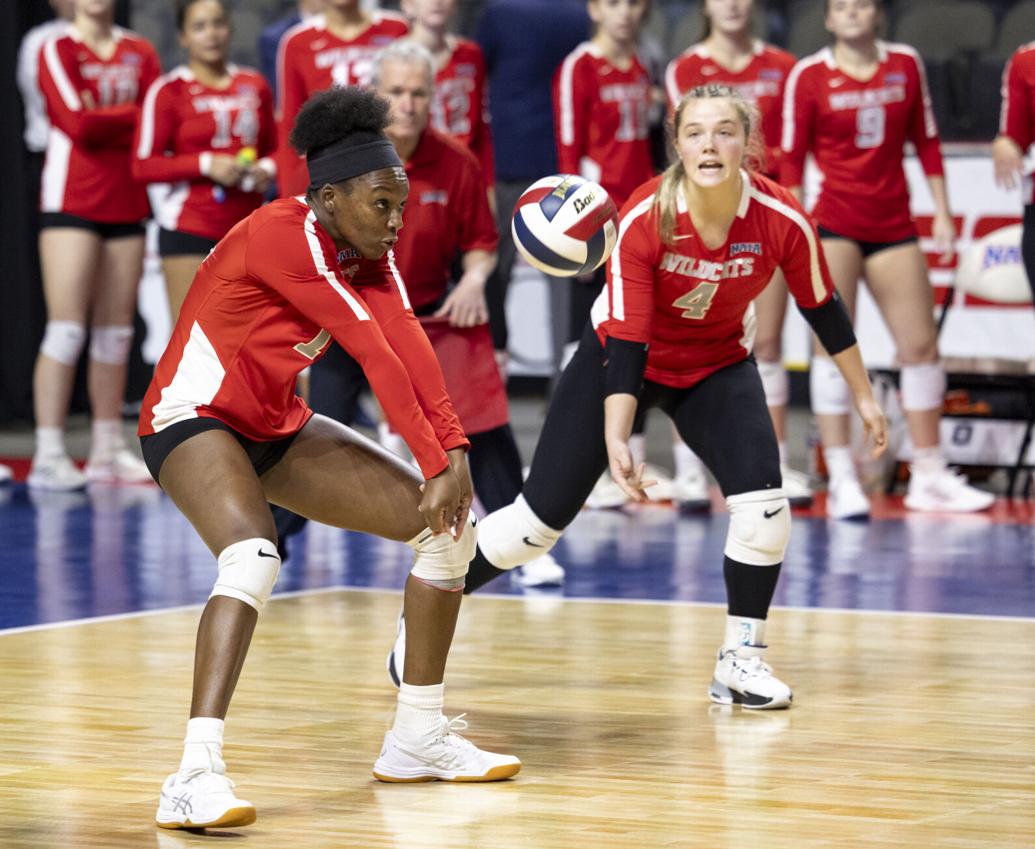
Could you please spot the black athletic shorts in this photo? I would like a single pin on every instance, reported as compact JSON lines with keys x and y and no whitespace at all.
{"x":178,"y":243}
{"x":104,"y":229}
{"x":157,"y":446}
{"x":868,"y":248}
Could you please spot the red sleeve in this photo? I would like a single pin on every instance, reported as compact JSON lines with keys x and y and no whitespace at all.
{"x":384,"y":293}
{"x":267,"y":141}
{"x":290,"y":97}
{"x":1015,"y":119}
{"x":481,"y":136}
{"x":293,"y":259}
{"x":477,"y":226}
{"x":156,"y":139}
{"x":630,"y":273}
{"x":798,"y":117}
{"x":801,"y":255}
{"x":923,"y":128}
{"x":572,"y":102}
{"x":61,"y":84}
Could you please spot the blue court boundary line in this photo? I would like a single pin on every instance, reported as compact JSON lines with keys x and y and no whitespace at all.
{"x":114,"y":617}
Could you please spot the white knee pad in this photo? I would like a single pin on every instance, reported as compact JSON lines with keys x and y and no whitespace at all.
{"x":830,"y":394}
{"x":923,"y":387}
{"x":247,"y":571}
{"x":514,"y":535}
{"x":440,"y":561}
{"x":63,"y":341}
{"x":774,"y":382}
{"x":760,"y":526}
{"x":110,"y":344}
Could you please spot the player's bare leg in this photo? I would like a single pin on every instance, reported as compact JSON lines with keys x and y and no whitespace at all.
{"x":111,"y":335}
{"x":831,"y":401}
{"x":179,"y":272}
{"x":900,"y":286}
{"x":69,"y":258}
{"x":308,"y":481}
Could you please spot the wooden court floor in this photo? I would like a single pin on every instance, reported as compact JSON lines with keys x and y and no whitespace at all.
{"x":907,"y":731}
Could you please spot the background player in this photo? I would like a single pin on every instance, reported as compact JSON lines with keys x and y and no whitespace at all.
{"x":854,"y":105}
{"x":730,"y":54}
{"x":1016,"y":133}
{"x":602,"y":98}
{"x":93,"y":77}
{"x":333,"y":48}
{"x":224,"y":432}
{"x":695,"y":248}
{"x":206,"y":129}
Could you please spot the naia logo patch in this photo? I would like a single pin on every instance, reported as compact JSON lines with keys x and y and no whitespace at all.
{"x":746,"y":248}
{"x":347,"y":253}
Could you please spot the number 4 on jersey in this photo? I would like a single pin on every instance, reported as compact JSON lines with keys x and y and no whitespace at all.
{"x":697,"y":302}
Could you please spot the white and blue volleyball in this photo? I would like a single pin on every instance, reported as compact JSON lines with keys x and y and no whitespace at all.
{"x":565,"y":225}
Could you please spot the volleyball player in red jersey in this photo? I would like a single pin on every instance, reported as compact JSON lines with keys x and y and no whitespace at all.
{"x":730,"y":54}
{"x":1016,"y":134}
{"x":334,"y":48}
{"x":93,"y":76}
{"x":854,"y":105}
{"x":224,"y":433}
{"x":207,"y":131}
{"x":695,"y":247}
{"x":459,"y":104}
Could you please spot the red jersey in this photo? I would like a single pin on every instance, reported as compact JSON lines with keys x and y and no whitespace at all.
{"x":460,"y":103}
{"x":761,"y":81}
{"x":1017,"y":118}
{"x":264,"y":305}
{"x":692,"y":304}
{"x":602,"y":116}
{"x":857,"y":132}
{"x":310,"y":58}
{"x":447,"y":211}
{"x":182,"y":124}
{"x":87,"y":170}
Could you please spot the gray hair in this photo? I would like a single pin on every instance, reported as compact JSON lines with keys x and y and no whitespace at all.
{"x":406,"y":52}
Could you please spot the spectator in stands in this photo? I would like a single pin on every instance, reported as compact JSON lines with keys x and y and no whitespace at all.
{"x":853,"y":106}
{"x":729,"y":53}
{"x":336,"y":47}
{"x":207,"y":133}
{"x":459,"y":104}
{"x":269,"y":38}
{"x":1016,"y":134}
{"x":524,"y":42}
{"x":37,"y":126}
{"x":93,"y":76}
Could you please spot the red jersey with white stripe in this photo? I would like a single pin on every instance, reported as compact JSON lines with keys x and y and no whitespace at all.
{"x":692,"y":304}
{"x":311,"y":58}
{"x":93,"y":104}
{"x":264,"y":305}
{"x":761,"y":81}
{"x":460,"y":103}
{"x":1017,"y":118}
{"x":183,"y":123}
{"x":602,"y":115}
{"x":857,"y":132}
{"x":447,"y":211}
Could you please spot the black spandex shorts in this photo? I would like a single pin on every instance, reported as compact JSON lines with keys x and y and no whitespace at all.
{"x":178,"y":243}
{"x":157,"y":446}
{"x":868,"y":248}
{"x":104,"y":229}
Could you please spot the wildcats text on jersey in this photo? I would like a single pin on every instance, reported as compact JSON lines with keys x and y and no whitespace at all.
{"x":867,"y":97}
{"x":706,"y":269}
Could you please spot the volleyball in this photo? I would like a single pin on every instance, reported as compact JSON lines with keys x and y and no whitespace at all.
{"x":565,"y":225}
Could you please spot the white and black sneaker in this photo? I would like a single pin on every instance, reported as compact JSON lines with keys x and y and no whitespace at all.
{"x":201,"y":798}
{"x":446,"y":756}
{"x":742,"y":678}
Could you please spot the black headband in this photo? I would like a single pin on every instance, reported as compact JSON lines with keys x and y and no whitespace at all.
{"x":345,"y":159}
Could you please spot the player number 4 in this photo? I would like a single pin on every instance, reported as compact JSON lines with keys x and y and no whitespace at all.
{"x":697,"y":302}
{"x":314,"y":346}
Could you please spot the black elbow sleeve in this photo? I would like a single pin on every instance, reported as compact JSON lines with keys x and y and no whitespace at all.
{"x":831,"y":324}
{"x":624,"y":362}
